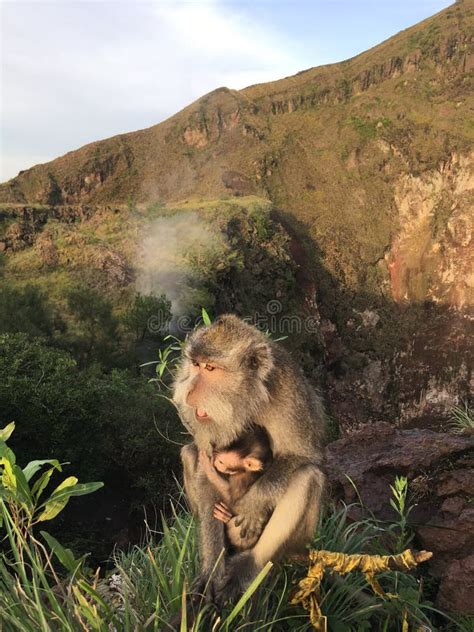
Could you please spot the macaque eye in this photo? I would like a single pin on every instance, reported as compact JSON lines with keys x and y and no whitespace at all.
{"x":194,"y":363}
{"x":209,"y":367}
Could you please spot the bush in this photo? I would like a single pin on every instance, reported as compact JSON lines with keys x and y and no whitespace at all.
{"x":109,"y":426}
{"x":95,"y":336}
{"x":26,"y":310}
{"x":254,"y":268}
{"x":147,"y":316}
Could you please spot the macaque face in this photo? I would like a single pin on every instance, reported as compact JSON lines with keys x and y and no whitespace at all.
{"x":233,"y":463}
{"x":206,"y":393}
{"x":205,"y":379}
{"x":219,"y":386}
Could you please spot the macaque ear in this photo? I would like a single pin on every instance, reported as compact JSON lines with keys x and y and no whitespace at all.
{"x":252,"y":464}
{"x":260,"y":359}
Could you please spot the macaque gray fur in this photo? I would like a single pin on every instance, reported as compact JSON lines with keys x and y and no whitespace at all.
{"x":232,"y":376}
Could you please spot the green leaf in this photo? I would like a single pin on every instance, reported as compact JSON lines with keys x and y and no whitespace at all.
{"x":41,"y":483}
{"x":248,"y":593}
{"x":8,"y":477}
{"x":6,"y":452}
{"x":23,"y":489}
{"x":58,"y":499}
{"x":65,"y":556}
{"x":206,"y":319}
{"x":33,"y":466}
{"x":6,"y":432}
{"x":61,"y":495}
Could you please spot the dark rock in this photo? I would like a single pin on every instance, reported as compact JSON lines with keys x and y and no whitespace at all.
{"x":456,"y":481}
{"x":237,"y":182}
{"x":377,"y":452}
{"x":437,"y":465}
{"x":449,"y":537}
{"x":456,"y":591}
{"x":453,"y":505}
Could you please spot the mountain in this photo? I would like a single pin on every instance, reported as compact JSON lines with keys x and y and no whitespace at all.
{"x":346,"y":147}
{"x":367,"y":163}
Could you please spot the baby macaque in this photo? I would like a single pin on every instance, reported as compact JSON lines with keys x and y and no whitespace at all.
{"x":233,"y":470}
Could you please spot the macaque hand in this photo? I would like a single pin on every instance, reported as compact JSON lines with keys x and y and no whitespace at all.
{"x":222,"y":512}
{"x":251,"y":515}
{"x":233,"y":535}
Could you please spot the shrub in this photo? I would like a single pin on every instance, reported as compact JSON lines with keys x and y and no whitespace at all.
{"x":147,"y":316}
{"x":26,"y":310}
{"x":95,"y":336}
{"x":110,"y":426}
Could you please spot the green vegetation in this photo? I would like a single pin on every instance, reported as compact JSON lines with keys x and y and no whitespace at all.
{"x":92,"y":315}
{"x":72,"y":342}
{"x":331,"y":155}
{"x":366,"y":128}
{"x":26,"y":309}
{"x":137,"y":317}
{"x":253,"y":267}
{"x":63,"y":405}
{"x":42,"y":582}
{"x":462,"y":419}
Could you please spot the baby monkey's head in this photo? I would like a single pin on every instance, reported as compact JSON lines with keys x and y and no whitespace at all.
{"x":249,"y":453}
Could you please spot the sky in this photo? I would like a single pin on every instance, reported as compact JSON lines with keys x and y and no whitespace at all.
{"x":76,"y":71}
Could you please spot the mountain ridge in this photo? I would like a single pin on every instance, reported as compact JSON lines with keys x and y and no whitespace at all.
{"x":86,"y":175}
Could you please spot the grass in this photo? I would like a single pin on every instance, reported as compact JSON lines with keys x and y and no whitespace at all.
{"x":149,"y":584}
{"x":44,"y":586}
{"x":462,"y":419}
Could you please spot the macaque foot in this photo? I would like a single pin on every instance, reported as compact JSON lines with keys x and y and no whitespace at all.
{"x":240,"y":571}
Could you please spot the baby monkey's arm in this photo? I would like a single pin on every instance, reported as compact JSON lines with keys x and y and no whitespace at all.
{"x":220,"y":484}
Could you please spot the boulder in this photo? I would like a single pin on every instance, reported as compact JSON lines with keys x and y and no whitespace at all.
{"x":456,"y":591}
{"x":441,"y":480}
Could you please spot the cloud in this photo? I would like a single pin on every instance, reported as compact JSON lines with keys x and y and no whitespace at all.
{"x":75,"y":72}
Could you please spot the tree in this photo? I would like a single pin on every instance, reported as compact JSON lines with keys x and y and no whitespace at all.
{"x":96,"y":335}
{"x":26,"y":310}
{"x":147,"y":316}
{"x":107,"y":425}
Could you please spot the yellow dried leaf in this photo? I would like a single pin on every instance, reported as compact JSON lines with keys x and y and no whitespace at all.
{"x":308,"y":592}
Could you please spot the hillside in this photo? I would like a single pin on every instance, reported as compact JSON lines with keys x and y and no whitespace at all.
{"x":367,"y":164}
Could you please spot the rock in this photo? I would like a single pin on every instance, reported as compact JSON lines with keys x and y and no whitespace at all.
{"x":237,"y":182}
{"x":456,"y":481}
{"x":197,"y":137}
{"x":449,"y":537}
{"x":456,"y":591}
{"x":453,"y":505}
{"x":114,"y":265}
{"x":438,"y":466}
{"x":381,"y":451}
{"x":47,"y":250}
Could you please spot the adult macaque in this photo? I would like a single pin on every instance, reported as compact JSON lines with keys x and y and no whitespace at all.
{"x":232,"y":471}
{"x":232,"y":377}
